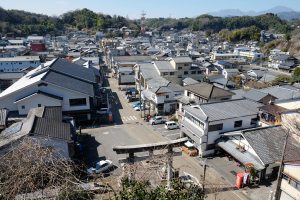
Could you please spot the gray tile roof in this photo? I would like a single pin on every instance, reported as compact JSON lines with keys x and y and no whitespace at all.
{"x":73,"y":70}
{"x":52,"y":128}
{"x":267,"y":142}
{"x":208,"y":91}
{"x":54,"y":113}
{"x":69,"y":82}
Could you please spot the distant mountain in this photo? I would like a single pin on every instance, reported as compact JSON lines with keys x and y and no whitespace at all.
{"x":282,"y":11}
{"x":289,"y":15}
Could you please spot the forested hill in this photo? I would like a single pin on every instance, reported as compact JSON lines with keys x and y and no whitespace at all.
{"x":216,"y":24}
{"x":24,"y":23}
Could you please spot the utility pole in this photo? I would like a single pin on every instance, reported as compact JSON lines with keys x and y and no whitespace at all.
{"x":204,"y":174}
{"x":279,"y":177}
{"x":140,"y":81}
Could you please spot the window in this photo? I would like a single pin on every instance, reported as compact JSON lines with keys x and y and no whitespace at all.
{"x":188,"y":93}
{"x":39,"y":105}
{"x":167,"y":96}
{"x":179,"y":76}
{"x":186,"y":72}
{"x":193,"y":72}
{"x":77,"y":102}
{"x":198,"y":72}
{"x":215,"y":127}
{"x":164,"y":73}
{"x":195,"y":120}
{"x":179,"y":67}
{"x":23,"y":107}
{"x":254,"y":121}
{"x":172,"y":73}
{"x":238,"y":123}
{"x":186,"y":65}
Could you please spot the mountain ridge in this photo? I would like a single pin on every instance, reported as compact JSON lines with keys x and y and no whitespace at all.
{"x":282,"y":11}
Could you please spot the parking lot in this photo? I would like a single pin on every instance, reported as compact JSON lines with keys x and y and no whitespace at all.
{"x":168,"y":134}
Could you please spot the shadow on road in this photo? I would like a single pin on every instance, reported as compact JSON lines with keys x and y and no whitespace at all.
{"x":90,"y":153}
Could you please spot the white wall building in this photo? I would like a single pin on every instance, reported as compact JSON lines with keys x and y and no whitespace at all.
{"x":56,"y":83}
{"x":17,"y":64}
{"x":203,"y":123}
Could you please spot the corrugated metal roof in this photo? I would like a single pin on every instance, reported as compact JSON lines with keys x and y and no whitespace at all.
{"x":224,"y":110}
{"x":182,"y":59}
{"x":243,"y":157}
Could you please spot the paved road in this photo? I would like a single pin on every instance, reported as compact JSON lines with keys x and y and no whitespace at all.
{"x":128,"y":128}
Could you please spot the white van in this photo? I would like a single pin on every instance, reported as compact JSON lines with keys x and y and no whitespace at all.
{"x":171,"y":125}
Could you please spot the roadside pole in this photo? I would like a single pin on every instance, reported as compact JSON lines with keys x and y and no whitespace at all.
{"x":140,"y":91}
{"x":204,"y":174}
{"x":279,"y":177}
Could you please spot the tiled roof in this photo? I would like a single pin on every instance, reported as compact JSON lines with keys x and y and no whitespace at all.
{"x":208,"y":91}
{"x":52,"y":128}
{"x":70,"y":83}
{"x":73,"y":70}
{"x":267,"y":142}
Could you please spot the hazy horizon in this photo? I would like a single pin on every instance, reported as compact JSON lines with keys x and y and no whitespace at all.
{"x":153,"y":8}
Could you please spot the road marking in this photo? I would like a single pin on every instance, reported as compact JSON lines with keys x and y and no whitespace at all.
{"x":131,"y":117}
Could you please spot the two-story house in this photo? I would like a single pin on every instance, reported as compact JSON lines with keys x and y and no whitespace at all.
{"x":161,"y":94}
{"x":204,"y":123}
{"x":199,"y":93}
{"x":55,"y":83}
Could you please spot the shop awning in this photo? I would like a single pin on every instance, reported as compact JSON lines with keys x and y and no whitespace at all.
{"x":243,"y":157}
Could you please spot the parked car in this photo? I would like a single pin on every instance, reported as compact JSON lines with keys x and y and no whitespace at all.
{"x":139,"y":107}
{"x":101,"y":166}
{"x":171,"y":125}
{"x":136,"y":103}
{"x":131,"y":91}
{"x":103,"y":111}
{"x":156,"y":120}
{"x":189,"y":149}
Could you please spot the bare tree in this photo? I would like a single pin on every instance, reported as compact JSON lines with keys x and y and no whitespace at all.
{"x":30,"y":168}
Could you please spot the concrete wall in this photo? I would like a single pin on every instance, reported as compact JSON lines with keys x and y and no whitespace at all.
{"x":33,"y":101}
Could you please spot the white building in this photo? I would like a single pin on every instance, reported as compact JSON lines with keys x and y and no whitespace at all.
{"x":203,"y":123}
{"x":55,"y":83}
{"x":17,"y":64}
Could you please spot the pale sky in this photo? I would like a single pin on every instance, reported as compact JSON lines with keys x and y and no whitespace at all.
{"x":153,"y":8}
